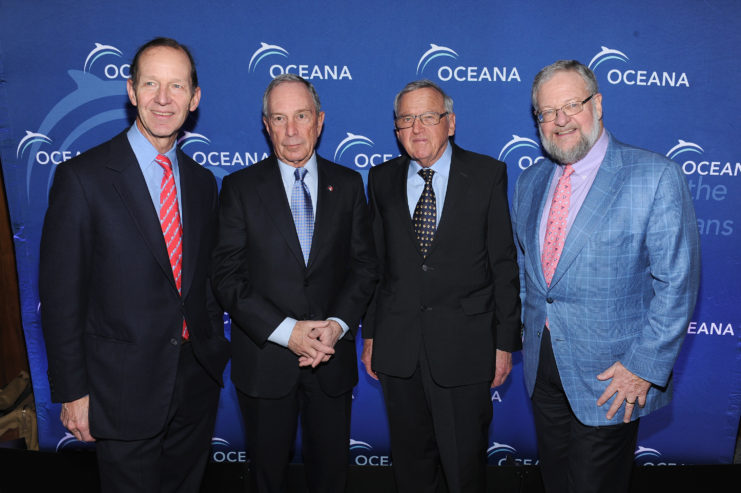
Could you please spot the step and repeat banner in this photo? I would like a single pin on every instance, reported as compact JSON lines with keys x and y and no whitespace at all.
{"x":668,"y":71}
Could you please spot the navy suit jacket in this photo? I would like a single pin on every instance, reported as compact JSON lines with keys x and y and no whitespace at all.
{"x":460,"y":303}
{"x":111,"y":314}
{"x":626,"y":282}
{"x":260,"y":276}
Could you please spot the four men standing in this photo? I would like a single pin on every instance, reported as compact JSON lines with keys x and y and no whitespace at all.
{"x":608,"y":254}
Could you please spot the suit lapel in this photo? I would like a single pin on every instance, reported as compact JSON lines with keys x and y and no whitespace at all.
{"x":458,"y":186}
{"x":325,"y":205}
{"x":538,"y":187}
{"x":273,"y":194}
{"x":596,"y":205}
{"x":132,"y":188}
{"x":401,"y":201}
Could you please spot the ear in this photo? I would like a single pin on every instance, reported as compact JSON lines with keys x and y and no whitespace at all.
{"x":451,"y":124}
{"x":319,"y":122}
{"x":598,"y":105}
{"x":131,"y":91}
{"x":195,"y":100}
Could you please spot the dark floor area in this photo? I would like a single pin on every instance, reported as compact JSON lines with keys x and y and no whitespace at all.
{"x":26,"y":471}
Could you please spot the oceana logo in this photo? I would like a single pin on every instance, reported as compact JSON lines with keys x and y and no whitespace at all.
{"x":645,"y":456}
{"x":41,"y":156}
{"x":359,"y":159}
{"x":522,"y":150}
{"x":635,"y":77}
{"x":30,"y":139}
{"x":462,"y":73}
{"x":227,"y":455}
{"x":503,"y":454}
{"x":69,"y":442}
{"x":305,"y":70}
{"x":216,"y":158}
{"x":111,"y":70}
{"x":683,"y":153}
{"x":362,"y":456}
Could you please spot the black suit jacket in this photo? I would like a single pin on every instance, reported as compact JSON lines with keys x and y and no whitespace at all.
{"x":260,"y":277}
{"x":111,"y":314}
{"x":462,"y":302}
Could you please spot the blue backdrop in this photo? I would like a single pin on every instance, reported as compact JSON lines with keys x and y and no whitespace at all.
{"x":668,"y":70}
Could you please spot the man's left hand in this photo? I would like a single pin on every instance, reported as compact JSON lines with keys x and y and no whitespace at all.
{"x":502,"y":368}
{"x":328,"y":336}
{"x":628,"y":386}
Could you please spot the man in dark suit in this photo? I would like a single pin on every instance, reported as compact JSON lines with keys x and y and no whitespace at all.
{"x":294,"y":267}
{"x":610,"y":266}
{"x":133,"y":335}
{"x":446,"y":315}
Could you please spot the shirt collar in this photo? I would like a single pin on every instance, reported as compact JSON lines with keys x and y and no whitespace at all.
{"x":287,"y":171}
{"x":145,"y":151}
{"x":441,"y":167}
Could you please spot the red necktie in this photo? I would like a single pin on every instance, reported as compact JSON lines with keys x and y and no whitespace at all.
{"x":555,"y":233}
{"x":170,"y":222}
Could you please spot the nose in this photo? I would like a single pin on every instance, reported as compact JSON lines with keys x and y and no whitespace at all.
{"x":561,"y":118}
{"x":291,"y":128}
{"x":163,"y":96}
{"x":417,"y":125}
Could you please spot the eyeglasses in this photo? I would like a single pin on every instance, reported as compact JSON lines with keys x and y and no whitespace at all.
{"x":569,"y":109}
{"x":300,"y":118}
{"x":427,"y":119}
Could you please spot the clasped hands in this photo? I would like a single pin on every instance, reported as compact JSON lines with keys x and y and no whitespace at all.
{"x":313,"y":341}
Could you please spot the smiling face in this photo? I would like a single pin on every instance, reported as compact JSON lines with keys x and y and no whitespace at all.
{"x":425,"y":144}
{"x":163,"y":95}
{"x":568,"y":139}
{"x":292,"y":123}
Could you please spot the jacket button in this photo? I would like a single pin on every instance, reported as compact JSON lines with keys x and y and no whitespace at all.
{"x":174,"y":341}
{"x":549,"y":300}
{"x":306,"y":283}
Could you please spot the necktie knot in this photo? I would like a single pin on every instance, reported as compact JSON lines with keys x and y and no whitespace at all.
{"x":426,"y":174}
{"x":164,"y":161}
{"x":300,"y":173}
{"x":568,"y":170}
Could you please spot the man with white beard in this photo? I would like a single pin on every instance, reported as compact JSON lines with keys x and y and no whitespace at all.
{"x":609,"y":258}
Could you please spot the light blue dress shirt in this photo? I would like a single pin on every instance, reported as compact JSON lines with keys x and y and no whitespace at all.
{"x":282,"y":333}
{"x":416,"y":184}
{"x":153,"y":172}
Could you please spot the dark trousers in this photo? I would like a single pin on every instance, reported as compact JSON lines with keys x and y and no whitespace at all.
{"x":270,"y":426}
{"x":433,"y":428}
{"x":574,"y":457}
{"x":174,"y":460}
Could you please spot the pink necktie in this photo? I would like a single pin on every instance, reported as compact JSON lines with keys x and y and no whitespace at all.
{"x":555,"y":233}
{"x":170,"y":222}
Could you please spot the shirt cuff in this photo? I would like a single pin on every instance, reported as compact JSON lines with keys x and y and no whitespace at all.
{"x":282,"y":333}
{"x":344,"y":326}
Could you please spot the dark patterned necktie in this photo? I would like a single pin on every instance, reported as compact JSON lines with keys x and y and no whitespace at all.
{"x":425,"y":213}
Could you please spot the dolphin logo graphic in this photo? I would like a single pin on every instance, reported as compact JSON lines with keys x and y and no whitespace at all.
{"x":435,"y":51}
{"x":99,"y":51}
{"x":357,"y":444}
{"x":516,"y":143}
{"x":607,"y":54}
{"x":265,"y":50}
{"x":643,"y":452}
{"x":682,"y":147}
{"x":498,"y":448}
{"x":190,"y":138}
{"x":350,"y":141}
{"x":216,"y":441}
{"x":30,"y":138}
{"x":89,"y":88}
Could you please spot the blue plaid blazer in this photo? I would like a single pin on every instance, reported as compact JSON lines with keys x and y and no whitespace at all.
{"x":625,"y":285}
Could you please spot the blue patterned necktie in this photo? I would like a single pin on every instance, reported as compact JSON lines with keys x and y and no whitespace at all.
{"x":303,"y":214}
{"x":425,"y":213}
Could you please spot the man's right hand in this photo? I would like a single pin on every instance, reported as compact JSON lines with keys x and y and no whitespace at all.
{"x":74,"y":417}
{"x":366,"y":356}
{"x":310,"y":350}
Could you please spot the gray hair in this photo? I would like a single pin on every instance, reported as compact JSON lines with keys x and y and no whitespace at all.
{"x":546,"y":73}
{"x":422,"y":84}
{"x":289,"y":78}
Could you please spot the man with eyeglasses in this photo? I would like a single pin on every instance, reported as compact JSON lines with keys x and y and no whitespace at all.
{"x":294,"y":266}
{"x":610,"y":265}
{"x":446,"y":314}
